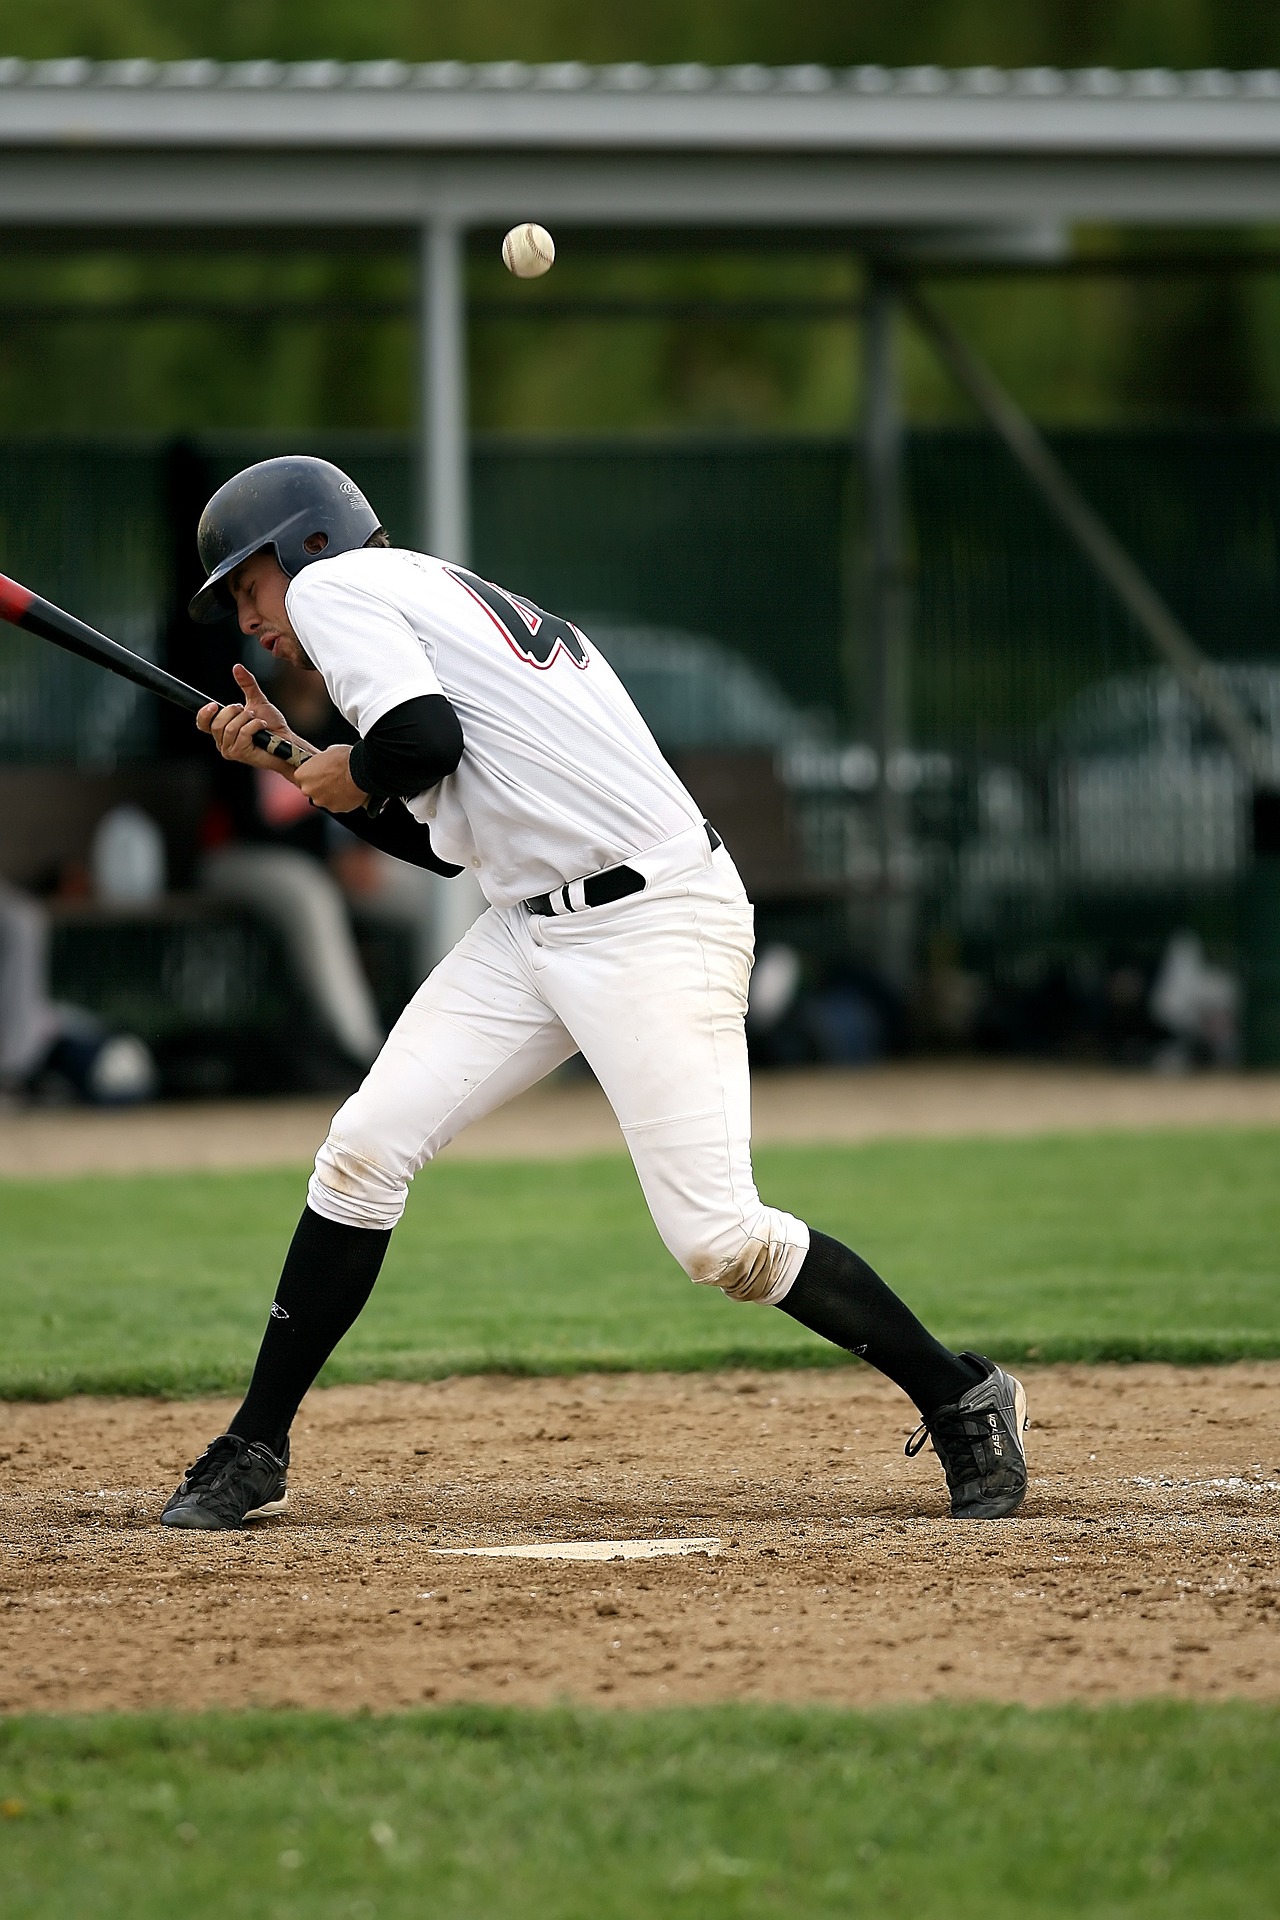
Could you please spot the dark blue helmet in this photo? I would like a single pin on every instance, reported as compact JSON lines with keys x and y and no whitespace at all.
{"x":302,"y":508}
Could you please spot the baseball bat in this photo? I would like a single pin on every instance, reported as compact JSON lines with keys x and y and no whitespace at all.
{"x":25,"y":609}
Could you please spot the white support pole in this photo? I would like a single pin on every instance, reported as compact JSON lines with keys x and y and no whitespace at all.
{"x":888,"y":627}
{"x":444,"y":503}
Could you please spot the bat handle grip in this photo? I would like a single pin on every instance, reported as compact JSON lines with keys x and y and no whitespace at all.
{"x":293,"y":755}
{"x":280,"y":749}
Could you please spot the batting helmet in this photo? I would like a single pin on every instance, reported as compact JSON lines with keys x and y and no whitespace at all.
{"x":302,"y":508}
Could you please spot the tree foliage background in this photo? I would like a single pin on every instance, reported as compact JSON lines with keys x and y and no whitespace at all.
{"x":1102,"y":352}
{"x":1177,"y":33}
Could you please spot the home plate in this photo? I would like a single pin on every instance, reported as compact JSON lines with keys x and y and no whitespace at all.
{"x":590,"y":1549}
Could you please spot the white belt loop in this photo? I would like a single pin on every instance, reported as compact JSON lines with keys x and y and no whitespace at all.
{"x":686,"y":852}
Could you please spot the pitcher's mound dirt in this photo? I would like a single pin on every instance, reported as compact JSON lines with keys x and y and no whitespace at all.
{"x":1147,"y":1559}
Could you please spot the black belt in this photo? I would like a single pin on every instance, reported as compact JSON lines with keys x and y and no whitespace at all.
{"x":603,"y":888}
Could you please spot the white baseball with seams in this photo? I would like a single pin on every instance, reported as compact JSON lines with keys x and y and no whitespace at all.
{"x":560,"y":779}
{"x":528,"y":251}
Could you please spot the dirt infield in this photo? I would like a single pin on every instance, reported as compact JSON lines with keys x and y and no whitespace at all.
{"x":909,"y":1100}
{"x":1147,"y":1559}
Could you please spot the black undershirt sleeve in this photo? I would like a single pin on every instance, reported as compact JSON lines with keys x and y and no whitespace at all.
{"x":409,"y":749}
{"x":395,"y":831}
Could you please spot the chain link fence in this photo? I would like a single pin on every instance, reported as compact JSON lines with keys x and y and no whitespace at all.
{"x":1061,"y":795}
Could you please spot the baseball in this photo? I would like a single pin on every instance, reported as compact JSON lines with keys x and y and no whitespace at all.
{"x":528,"y":251}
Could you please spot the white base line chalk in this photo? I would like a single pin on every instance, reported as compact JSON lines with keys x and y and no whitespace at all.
{"x":589,"y":1549}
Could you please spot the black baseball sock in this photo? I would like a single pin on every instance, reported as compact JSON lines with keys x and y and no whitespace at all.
{"x":839,"y":1296}
{"x":328,"y":1275}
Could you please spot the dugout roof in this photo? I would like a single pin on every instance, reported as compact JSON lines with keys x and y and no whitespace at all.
{"x":970,"y":163}
{"x":320,"y":143}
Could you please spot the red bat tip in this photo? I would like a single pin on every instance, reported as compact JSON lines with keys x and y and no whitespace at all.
{"x":14,"y":600}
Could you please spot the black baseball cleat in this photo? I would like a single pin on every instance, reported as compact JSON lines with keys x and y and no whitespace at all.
{"x":978,"y":1439}
{"x":234,"y":1480}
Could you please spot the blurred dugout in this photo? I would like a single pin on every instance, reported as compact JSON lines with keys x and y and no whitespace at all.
{"x":1062,"y":805}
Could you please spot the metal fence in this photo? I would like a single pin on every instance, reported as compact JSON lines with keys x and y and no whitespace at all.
{"x":1085,"y":792}
{"x":84,"y":524}
{"x":1057,"y":781}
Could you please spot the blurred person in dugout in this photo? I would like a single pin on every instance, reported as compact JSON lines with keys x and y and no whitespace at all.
{"x":29,"y":1022}
{"x":50,"y":1052}
{"x":268,"y":848}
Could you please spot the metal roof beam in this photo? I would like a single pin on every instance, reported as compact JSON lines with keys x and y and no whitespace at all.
{"x":812,"y":200}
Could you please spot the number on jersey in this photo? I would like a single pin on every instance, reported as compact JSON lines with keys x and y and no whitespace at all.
{"x":539,"y":638}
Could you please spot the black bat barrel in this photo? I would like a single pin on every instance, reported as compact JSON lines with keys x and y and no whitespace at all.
{"x":51,"y":623}
{"x":27,"y":610}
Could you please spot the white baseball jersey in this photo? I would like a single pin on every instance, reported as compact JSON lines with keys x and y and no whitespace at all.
{"x":559,"y":777}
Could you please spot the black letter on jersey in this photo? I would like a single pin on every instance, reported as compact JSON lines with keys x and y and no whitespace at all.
{"x":536,"y":636}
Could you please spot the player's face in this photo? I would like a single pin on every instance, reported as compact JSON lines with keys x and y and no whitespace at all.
{"x":258,"y":588}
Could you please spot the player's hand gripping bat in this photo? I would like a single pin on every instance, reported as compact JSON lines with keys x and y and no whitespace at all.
{"x":26,"y":609}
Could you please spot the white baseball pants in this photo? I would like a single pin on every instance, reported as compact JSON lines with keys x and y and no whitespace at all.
{"x":652,"y":989}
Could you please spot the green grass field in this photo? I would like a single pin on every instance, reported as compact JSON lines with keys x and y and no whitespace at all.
{"x":1121,"y":1246}
{"x":465,"y":1813}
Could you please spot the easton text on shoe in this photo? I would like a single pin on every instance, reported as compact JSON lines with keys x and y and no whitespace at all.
{"x":978,"y":1439}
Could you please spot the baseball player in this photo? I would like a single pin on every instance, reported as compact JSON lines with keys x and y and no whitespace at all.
{"x":495,"y":737}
